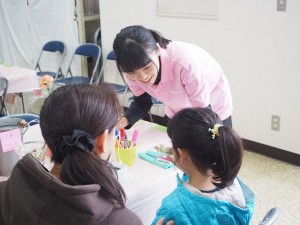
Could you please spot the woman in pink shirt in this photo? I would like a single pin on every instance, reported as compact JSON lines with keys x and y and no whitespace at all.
{"x":179,"y":74}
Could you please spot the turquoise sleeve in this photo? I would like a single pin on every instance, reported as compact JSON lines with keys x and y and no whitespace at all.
{"x":166,"y":213}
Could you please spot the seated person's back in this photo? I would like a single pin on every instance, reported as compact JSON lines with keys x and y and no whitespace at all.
{"x":78,"y":124}
{"x":210,"y":155}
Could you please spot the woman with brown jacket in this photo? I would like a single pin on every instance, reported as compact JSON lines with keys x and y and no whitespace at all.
{"x":78,"y":124}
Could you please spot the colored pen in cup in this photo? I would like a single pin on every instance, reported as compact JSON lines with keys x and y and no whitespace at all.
{"x":117,"y":134}
{"x":118,"y":143}
{"x":134,"y":138}
{"x":122,"y":138}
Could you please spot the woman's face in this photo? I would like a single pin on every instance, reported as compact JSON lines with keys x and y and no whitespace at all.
{"x":148,"y":73}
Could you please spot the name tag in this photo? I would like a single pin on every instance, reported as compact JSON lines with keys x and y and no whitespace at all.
{"x":10,"y":139}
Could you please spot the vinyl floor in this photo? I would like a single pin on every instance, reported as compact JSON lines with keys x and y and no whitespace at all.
{"x":275,"y":184}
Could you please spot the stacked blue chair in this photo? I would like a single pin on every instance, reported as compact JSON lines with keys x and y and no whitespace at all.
{"x":155,"y":103}
{"x":3,"y":90}
{"x":84,"y":50}
{"x":57,"y":47}
{"x":119,"y":88}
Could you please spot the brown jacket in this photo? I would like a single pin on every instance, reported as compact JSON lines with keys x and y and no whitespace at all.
{"x":33,"y":196}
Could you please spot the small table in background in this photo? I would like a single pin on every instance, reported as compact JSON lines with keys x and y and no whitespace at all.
{"x":19,"y":79}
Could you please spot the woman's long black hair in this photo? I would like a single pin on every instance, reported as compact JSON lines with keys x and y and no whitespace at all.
{"x":132,"y":46}
{"x":91,"y":109}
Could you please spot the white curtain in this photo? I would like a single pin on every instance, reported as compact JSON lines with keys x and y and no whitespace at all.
{"x":26,"y":25}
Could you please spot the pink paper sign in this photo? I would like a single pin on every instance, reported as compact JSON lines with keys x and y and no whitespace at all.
{"x":10,"y":139}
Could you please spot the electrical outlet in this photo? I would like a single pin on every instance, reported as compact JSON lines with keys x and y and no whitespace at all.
{"x":281,"y":5}
{"x":275,"y":123}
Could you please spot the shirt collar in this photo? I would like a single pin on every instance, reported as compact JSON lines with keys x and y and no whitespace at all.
{"x":165,"y":70}
{"x":158,"y":78}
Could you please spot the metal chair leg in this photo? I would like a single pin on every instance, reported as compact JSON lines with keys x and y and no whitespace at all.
{"x":22,"y":99}
{"x":150,"y":115}
{"x":23,"y":105}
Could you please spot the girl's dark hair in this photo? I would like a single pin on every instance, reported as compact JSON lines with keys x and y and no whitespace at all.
{"x":132,"y":46}
{"x":91,"y":109}
{"x":189,"y":129}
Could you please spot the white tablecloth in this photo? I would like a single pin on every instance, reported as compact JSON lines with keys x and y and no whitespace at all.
{"x":19,"y":79}
{"x":145,"y":184}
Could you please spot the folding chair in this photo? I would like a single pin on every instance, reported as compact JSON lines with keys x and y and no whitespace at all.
{"x":119,"y":88}
{"x":84,"y":50}
{"x":3,"y":90}
{"x":29,"y":118}
{"x":58,"y":48}
{"x":97,"y":40}
{"x":22,"y":122}
{"x":97,"y":36}
{"x":271,"y":216}
{"x":155,"y":103}
{"x":16,"y":121}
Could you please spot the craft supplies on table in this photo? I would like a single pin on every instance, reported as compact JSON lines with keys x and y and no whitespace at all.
{"x":126,"y":155}
{"x":156,"y":158}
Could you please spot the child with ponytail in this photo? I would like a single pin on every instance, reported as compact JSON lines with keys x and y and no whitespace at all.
{"x":210,"y":155}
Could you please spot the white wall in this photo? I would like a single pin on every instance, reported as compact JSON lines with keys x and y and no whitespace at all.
{"x":257,"y":46}
{"x":24,"y":33}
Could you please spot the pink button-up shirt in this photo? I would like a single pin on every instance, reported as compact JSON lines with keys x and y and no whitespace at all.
{"x":190,"y":77}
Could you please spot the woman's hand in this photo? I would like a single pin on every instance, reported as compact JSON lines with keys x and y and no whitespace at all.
{"x":161,"y":222}
{"x":123,"y":122}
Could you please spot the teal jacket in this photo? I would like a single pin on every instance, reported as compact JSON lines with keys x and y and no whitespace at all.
{"x":187,"y":208}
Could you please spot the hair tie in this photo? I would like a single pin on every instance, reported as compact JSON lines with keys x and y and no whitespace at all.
{"x":215,"y":130}
{"x":79,"y":139}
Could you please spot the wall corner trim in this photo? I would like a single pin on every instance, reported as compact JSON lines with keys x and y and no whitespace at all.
{"x":272,"y":152}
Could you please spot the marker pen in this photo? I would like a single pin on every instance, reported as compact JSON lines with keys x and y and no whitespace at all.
{"x":134,"y":138}
{"x":122,"y":138}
